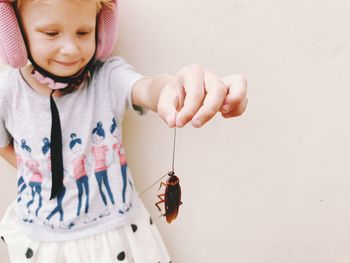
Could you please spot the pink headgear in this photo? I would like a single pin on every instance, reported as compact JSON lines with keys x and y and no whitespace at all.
{"x":13,"y":50}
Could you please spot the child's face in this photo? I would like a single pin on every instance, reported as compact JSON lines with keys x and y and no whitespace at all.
{"x":77,"y":149}
{"x":96,"y":139}
{"x":60,"y":33}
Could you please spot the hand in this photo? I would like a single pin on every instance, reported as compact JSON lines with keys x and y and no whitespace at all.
{"x":196,"y":95}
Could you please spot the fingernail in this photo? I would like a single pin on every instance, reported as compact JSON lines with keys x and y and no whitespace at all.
{"x":197,"y":123}
{"x":226,"y":108}
{"x":179,"y":123}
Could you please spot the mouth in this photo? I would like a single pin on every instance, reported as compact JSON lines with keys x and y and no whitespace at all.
{"x":67,"y":63}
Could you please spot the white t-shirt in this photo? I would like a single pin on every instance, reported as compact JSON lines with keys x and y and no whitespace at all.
{"x":98,"y":190}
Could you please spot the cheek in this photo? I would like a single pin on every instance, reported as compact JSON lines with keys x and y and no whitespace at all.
{"x":39,"y":49}
{"x":89,"y":47}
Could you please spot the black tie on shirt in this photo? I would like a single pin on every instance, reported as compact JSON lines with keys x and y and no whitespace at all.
{"x":56,"y":149}
{"x":56,"y":135}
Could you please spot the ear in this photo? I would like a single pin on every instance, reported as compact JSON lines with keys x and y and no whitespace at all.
{"x":12,"y":47}
{"x":107,"y":31}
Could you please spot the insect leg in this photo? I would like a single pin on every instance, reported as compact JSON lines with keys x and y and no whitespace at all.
{"x":162,"y":183}
{"x":161,"y":201}
{"x":161,"y":197}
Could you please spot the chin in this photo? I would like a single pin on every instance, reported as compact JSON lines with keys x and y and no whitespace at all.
{"x":65,"y":73}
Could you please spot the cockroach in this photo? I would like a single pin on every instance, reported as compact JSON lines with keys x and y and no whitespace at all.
{"x":171,"y":197}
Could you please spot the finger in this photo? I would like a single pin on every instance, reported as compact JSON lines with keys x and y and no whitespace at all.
{"x":180,"y":94}
{"x":236,"y":111}
{"x":237,"y":92}
{"x":216,"y":92}
{"x":167,"y":105}
{"x":192,"y":81}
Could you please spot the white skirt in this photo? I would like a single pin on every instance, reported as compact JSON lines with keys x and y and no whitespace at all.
{"x":137,"y":242}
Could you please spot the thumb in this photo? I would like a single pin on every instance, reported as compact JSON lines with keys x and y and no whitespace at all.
{"x":167,"y":105}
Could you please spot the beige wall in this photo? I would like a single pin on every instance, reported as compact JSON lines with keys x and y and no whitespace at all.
{"x":274,"y":185}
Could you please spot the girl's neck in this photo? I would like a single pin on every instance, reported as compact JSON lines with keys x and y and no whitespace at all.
{"x":41,"y":89}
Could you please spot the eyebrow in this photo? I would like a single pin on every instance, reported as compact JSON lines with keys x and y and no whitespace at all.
{"x":43,"y":25}
{"x":57,"y":25}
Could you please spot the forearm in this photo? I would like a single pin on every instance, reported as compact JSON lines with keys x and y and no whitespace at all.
{"x":8,"y":154}
{"x":146,"y":91}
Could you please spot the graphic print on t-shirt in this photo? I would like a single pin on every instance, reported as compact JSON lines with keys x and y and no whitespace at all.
{"x":100,"y":153}
{"x":22,"y":182}
{"x":81,"y":178}
{"x":119,"y":153}
{"x":58,"y":209}
{"x":35,"y":183}
{"x":96,"y":183}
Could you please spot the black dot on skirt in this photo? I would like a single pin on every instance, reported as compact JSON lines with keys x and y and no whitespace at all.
{"x":121,"y":256}
{"x":3,"y":239}
{"x":29,"y":253}
{"x":134,"y":227}
{"x":150,"y":221}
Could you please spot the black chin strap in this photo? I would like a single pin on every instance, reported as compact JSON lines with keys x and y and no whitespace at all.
{"x":56,"y":149}
{"x":56,"y":133}
{"x":73,"y":80}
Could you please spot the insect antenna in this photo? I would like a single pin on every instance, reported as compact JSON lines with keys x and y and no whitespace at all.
{"x":152,"y":185}
{"x":172,"y":167}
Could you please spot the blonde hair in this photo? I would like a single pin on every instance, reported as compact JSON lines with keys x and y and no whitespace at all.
{"x":99,"y":3}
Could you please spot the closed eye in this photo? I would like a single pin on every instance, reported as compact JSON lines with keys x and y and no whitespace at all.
{"x":83,"y":33}
{"x":50,"y":33}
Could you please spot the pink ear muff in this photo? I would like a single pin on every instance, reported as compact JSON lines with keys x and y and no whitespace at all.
{"x":107,"y":31}
{"x":12,"y":46}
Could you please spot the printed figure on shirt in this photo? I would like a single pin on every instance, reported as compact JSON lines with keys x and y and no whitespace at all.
{"x":22,"y":183}
{"x":46,"y":151}
{"x":80,"y":176}
{"x":119,"y":153}
{"x":99,"y":152}
{"x":35,"y":181}
{"x":58,"y":209}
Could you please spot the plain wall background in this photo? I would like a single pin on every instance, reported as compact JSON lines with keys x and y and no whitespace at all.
{"x":273,"y":185}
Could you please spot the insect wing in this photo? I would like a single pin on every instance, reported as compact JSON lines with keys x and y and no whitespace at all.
{"x":172,"y":201}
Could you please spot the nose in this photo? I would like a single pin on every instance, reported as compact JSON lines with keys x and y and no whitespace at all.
{"x":69,"y":47}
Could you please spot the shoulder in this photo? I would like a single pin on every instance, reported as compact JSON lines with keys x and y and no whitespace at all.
{"x":7,"y":77}
{"x":103,"y":68}
{"x":8,"y":82}
{"x":115,"y":61}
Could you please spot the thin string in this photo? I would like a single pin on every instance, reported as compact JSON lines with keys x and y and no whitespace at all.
{"x":173,"y":162}
{"x":172,"y":167}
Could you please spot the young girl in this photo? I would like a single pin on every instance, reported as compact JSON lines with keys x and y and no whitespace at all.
{"x":82,"y":207}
